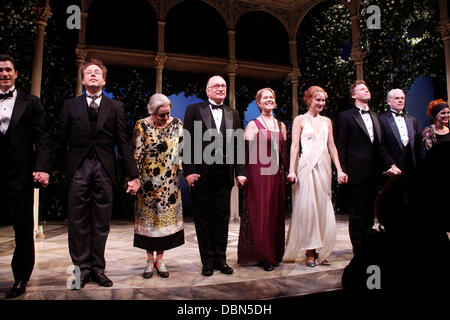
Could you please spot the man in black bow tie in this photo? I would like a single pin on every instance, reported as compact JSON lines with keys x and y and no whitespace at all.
{"x":25,"y":151}
{"x":363,"y":157}
{"x":92,"y":126}
{"x":211,"y":183}
{"x":400,"y":133}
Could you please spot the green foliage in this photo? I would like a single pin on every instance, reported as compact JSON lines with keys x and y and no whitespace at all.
{"x":395,"y":56}
{"x":393,"y":59}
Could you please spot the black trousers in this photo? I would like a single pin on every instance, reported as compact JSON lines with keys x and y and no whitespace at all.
{"x":211,"y":211}
{"x":361,"y":203}
{"x":89,"y":209}
{"x":16,"y":208}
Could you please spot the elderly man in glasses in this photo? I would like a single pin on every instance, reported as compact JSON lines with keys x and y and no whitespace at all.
{"x":211,"y":178}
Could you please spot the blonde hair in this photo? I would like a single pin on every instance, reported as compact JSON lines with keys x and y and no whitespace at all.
{"x":259,"y":96}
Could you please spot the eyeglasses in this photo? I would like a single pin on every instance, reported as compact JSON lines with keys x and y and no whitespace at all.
{"x":163,"y":115}
{"x":218,"y":86}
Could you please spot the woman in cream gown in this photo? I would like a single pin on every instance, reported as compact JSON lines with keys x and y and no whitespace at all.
{"x":313,"y":225}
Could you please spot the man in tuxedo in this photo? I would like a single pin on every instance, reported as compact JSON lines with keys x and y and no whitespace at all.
{"x":211,"y":180}
{"x":400,"y":133}
{"x":92,"y":126}
{"x":363,"y":158}
{"x":25,"y":156}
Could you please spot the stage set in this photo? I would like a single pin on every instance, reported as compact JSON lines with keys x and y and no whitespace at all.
{"x":125,"y":265}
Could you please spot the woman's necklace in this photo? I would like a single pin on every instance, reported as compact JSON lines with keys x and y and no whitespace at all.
{"x":442,"y":130}
{"x":265,"y":124}
{"x":273,"y":142}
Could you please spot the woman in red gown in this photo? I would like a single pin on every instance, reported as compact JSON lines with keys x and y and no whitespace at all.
{"x":261,"y":236}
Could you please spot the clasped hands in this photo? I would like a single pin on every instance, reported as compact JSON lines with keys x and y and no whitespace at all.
{"x":41,"y":177}
{"x":133,"y":186}
{"x":393,"y":171}
{"x":191,"y":178}
{"x":342,"y":177}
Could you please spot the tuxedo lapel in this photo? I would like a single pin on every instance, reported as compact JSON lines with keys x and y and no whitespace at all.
{"x":103,"y":112}
{"x":376,"y":126}
{"x":228,"y":116}
{"x":83,"y":113}
{"x":410,"y":127}
{"x":19,"y":108}
{"x":393,"y":125}
{"x":357,"y":116}
{"x":205,"y":113}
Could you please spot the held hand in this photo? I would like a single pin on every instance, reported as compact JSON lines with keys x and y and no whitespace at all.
{"x":192,"y":178}
{"x":133,"y":186}
{"x":241,"y":180}
{"x":292,"y":177}
{"x":393,"y":171}
{"x":41,"y":177}
{"x":342,"y":177}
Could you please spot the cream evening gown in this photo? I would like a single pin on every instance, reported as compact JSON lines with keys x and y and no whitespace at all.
{"x":313,"y":224}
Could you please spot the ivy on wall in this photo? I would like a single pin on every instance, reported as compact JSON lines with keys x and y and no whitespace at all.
{"x":406,"y":47}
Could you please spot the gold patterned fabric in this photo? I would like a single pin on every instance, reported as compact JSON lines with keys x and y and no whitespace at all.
{"x":158,"y":155}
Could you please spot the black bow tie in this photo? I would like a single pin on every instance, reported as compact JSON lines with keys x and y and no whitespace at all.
{"x":398,"y":114}
{"x":6,"y":95}
{"x":216,"y":107}
{"x":364,"y":111}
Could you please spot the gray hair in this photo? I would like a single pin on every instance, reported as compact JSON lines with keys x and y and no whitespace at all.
{"x":157,"y":101}
{"x":390,"y":93}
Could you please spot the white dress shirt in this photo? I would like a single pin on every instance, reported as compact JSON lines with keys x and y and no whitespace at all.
{"x":6,"y":109}
{"x":402,"y":129}
{"x":217,"y":114}
{"x":97,"y":101}
{"x":368,"y":122}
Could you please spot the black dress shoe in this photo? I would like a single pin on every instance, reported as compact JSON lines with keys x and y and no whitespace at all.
{"x":207,"y":270}
{"x":83,"y":281}
{"x":101,"y":279}
{"x":224,"y":268}
{"x":19,"y":287}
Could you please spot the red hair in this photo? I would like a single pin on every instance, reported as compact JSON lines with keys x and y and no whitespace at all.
{"x":433,"y":104}
{"x":309,"y":94}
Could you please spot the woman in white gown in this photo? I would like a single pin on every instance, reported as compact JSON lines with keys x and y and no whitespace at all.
{"x":313,"y":224}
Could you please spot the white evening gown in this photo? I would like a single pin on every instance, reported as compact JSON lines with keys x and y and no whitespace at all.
{"x":313,"y":224}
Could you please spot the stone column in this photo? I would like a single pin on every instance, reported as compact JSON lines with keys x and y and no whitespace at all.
{"x":231,"y":70}
{"x":293,"y":76}
{"x":444,"y":29}
{"x":160,"y":57}
{"x":81,"y":59}
{"x":160,"y":60}
{"x":357,"y":52}
{"x":43,"y":13}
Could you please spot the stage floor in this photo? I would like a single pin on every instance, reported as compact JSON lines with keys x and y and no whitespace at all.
{"x":125,"y":264}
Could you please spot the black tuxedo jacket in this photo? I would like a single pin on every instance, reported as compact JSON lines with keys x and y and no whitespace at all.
{"x":201,"y":113}
{"x":27,"y":146}
{"x":76,"y":136}
{"x":362,"y":160}
{"x":393,"y":143}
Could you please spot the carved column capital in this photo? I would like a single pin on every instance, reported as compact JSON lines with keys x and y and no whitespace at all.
{"x":160,"y":59}
{"x":81,"y":55}
{"x":231,"y":69}
{"x":294,"y":75}
{"x":358,"y":55}
{"x":445,"y":31}
{"x":42,"y":15}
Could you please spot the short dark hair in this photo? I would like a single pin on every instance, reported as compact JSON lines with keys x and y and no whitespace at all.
{"x":98,"y":63}
{"x":355,"y":84}
{"x":5,"y":57}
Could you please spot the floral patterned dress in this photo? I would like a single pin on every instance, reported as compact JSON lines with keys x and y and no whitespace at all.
{"x":158,"y":209}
